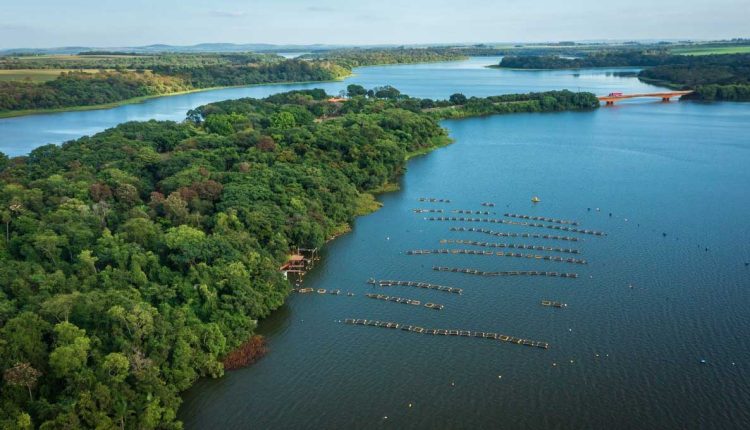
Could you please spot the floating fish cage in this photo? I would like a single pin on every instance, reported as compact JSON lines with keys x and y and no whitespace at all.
{"x":524,"y":224}
{"x":506,"y":273}
{"x":511,"y":245}
{"x":449,"y":332}
{"x":498,"y":254}
{"x":389,"y":283}
{"x":541,"y":218}
{"x":524,"y":235}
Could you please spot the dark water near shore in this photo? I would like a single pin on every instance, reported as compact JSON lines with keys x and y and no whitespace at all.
{"x":620,"y":357}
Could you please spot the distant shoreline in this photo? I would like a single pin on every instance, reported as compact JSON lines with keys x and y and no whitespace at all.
{"x":135,"y":100}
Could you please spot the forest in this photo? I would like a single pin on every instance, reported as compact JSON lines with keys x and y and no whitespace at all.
{"x":126,"y":76}
{"x":134,"y":261}
{"x":712,"y":77}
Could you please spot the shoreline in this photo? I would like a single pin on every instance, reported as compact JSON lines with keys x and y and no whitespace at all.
{"x":141,"y":99}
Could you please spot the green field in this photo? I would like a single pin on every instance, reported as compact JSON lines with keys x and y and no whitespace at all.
{"x":709,"y":50}
{"x":37,"y":75}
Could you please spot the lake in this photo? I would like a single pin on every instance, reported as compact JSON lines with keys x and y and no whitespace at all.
{"x":666,"y":288}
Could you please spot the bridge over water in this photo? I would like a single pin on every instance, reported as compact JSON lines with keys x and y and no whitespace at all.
{"x":665,"y":96}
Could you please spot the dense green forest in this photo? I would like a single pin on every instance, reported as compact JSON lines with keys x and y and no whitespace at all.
{"x":713,"y":77}
{"x":133,"y":261}
{"x":617,"y":58}
{"x":128,"y":76}
{"x":351,"y":58}
{"x":74,"y":88}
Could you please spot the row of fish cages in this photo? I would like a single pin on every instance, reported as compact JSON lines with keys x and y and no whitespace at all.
{"x":422,"y":211}
{"x":542,"y":218}
{"x":498,"y":254}
{"x":448,"y":332}
{"x":524,"y":235}
{"x":511,"y":246}
{"x":524,"y":224}
{"x":554,"y":304}
{"x":390,"y":283}
{"x":433,"y":200}
{"x":471,"y":212}
{"x":405,"y":301}
{"x":505,"y":273}
{"x":335,"y":292}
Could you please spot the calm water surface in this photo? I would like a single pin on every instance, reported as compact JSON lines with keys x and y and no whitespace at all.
{"x":620,"y":357}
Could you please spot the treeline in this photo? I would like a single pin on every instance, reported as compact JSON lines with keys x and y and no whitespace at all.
{"x":712,"y":77}
{"x":262,"y":73}
{"x":85,"y":89}
{"x":351,"y":58}
{"x":115,"y":60}
{"x":619,"y":58}
{"x":460,"y":106}
{"x":73,"y":89}
{"x":134,"y":260}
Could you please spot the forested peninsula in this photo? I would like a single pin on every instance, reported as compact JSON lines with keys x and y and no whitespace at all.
{"x":104,"y":79}
{"x":712,"y":77}
{"x":132,"y":262}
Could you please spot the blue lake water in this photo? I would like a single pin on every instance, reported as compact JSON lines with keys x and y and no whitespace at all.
{"x":624,"y":354}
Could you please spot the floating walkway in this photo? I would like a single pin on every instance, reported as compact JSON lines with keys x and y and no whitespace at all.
{"x":525,"y":224}
{"x":499,"y":254}
{"x":470,"y":212}
{"x":389,"y":283}
{"x":513,"y":273}
{"x":445,"y":332}
{"x":541,"y":218}
{"x":503,"y":234}
{"x":553,"y":304}
{"x":421,"y":211}
{"x":433,"y":200}
{"x":435,"y":306}
{"x":511,"y":245}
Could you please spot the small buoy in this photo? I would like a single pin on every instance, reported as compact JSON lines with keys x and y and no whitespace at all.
{"x":571,"y":361}
{"x":499,"y":376}
{"x":453,"y":384}
{"x":409,"y":404}
{"x":570,"y":329}
{"x":703,"y":361}
{"x":554,"y":364}
{"x":388,"y":238}
{"x":597,"y":209}
{"x":535,"y":199}
{"x":385,"y":417}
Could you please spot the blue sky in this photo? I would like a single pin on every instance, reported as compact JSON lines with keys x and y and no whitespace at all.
{"x":52,"y":23}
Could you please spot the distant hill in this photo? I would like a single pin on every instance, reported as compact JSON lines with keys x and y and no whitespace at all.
{"x":156,"y":48}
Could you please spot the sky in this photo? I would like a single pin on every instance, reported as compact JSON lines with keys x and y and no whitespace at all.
{"x":121,"y":23}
